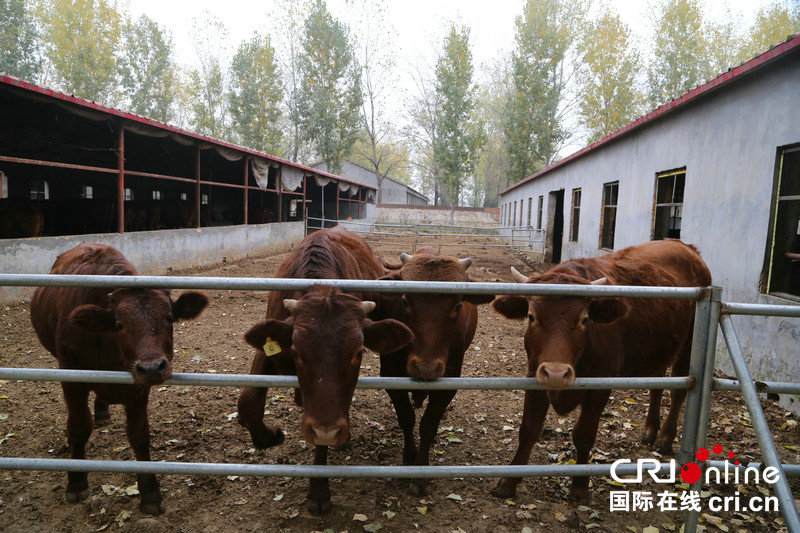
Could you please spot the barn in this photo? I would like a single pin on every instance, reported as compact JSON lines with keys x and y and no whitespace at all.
{"x":390,"y":191}
{"x":72,"y":169}
{"x":718,"y":167}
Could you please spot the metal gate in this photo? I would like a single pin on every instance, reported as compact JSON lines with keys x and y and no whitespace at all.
{"x":710,"y":312}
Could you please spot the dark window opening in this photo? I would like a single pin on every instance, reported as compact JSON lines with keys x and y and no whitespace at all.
{"x":40,"y":189}
{"x":609,"y":215}
{"x":86,"y":191}
{"x":128,"y":194}
{"x":539,"y":215}
{"x":576,"y":215}
{"x":669,"y":205}
{"x":530,"y":209}
{"x":784,"y":274}
{"x":156,"y":194}
{"x":204,"y":199}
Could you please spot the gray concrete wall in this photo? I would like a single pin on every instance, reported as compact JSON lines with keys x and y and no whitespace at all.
{"x":401,"y":214}
{"x":728,"y":141}
{"x":151,"y":252}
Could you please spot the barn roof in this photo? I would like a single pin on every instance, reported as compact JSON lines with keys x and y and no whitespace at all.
{"x":791,"y":44}
{"x":8,"y":80}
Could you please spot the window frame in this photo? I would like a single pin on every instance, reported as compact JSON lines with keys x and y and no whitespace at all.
{"x":604,"y":218}
{"x":540,"y":211}
{"x":765,"y":287}
{"x":530,"y":208}
{"x":672,"y":204}
{"x":575,"y":215}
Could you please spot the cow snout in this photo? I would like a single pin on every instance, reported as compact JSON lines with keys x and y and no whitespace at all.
{"x":421,"y":369}
{"x":555,"y":376}
{"x":152,"y":371}
{"x":328,"y":434}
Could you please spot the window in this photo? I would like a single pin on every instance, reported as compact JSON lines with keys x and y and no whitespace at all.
{"x":184,"y":196}
{"x":128,"y":194}
{"x":514,"y":215}
{"x":530,"y":209}
{"x":204,"y":200}
{"x":539,"y":215}
{"x":784,"y":248}
{"x":3,"y":185}
{"x":521,"y":209}
{"x":86,"y":191}
{"x":576,"y":215}
{"x":156,"y":194}
{"x":608,"y":217}
{"x":669,"y":204}
{"x":40,"y":190}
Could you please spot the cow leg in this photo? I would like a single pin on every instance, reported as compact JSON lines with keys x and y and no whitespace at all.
{"x":428,"y":428}
{"x":138,"y":429}
{"x":533,"y":417}
{"x":79,"y":428}
{"x":668,"y":431}
{"x":318,"y":501}
{"x":101,"y":413}
{"x":653,"y":417}
{"x":406,"y":419}
{"x":418,"y":396}
{"x":251,"y":408}
{"x":584,"y":435}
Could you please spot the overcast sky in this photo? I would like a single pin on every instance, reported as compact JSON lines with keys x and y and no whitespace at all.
{"x":419,"y":25}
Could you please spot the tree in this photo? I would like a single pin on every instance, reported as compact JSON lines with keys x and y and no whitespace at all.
{"x":774,"y":23}
{"x":330,"y":95}
{"x":423,"y":109}
{"x":147,"y":72}
{"x":207,"y":83}
{"x":82,"y":41}
{"x":680,"y":55}
{"x":458,"y":136}
{"x":534,"y":117}
{"x":255,"y":94}
{"x":19,"y":41}
{"x":609,"y":94}
{"x":491,"y":168}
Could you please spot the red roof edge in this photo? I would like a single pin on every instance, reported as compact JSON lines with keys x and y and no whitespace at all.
{"x":725,"y":78}
{"x":6,"y":79}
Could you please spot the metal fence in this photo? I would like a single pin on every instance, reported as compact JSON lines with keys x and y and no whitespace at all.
{"x":710,"y":312}
{"x":438,"y":235}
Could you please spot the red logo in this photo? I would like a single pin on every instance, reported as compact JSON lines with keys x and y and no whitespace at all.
{"x":690,"y":472}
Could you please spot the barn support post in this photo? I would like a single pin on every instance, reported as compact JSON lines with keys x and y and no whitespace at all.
{"x":337,"y":201}
{"x":246,"y":178}
{"x":698,"y":400}
{"x":765,"y":443}
{"x":360,"y":190}
{"x":121,"y":178}
{"x":197,"y":184}
{"x":303,"y":207}
{"x":279,"y":186}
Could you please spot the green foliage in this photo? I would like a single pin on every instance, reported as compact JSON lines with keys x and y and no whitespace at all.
{"x":255,"y":94}
{"x":207,"y":83}
{"x":680,"y":50}
{"x":147,"y":71}
{"x":534,"y":131}
{"x":609,"y":94}
{"x":491,"y":168}
{"x":19,"y":42}
{"x":458,"y":137}
{"x":774,"y":23}
{"x":82,"y":39}
{"x":330,"y":93}
{"x":392,"y":157}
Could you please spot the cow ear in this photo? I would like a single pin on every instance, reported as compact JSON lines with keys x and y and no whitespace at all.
{"x":189,"y":305}
{"x":386,"y":336}
{"x":278,"y":330}
{"x":390,"y":276}
{"x":478,"y":299}
{"x":513,"y":306}
{"x":607,"y":310}
{"x":93,"y":318}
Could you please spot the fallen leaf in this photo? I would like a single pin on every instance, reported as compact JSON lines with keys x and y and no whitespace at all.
{"x":231,"y":416}
{"x":133,"y":490}
{"x":629,"y":401}
{"x":524,"y":514}
{"x":422,"y":510}
{"x":375,"y":526}
{"x":102,"y":528}
{"x":453,"y":496}
{"x":560,"y":517}
{"x":650,"y":529}
{"x":3,"y":416}
{"x":277,"y":498}
{"x":122,"y":517}
{"x":389,"y":514}
{"x":108,"y":489}
{"x":360,"y":517}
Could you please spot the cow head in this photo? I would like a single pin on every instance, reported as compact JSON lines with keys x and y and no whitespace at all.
{"x":558,"y":326}
{"x":326,"y":333}
{"x":433,"y":317}
{"x":141,"y":320}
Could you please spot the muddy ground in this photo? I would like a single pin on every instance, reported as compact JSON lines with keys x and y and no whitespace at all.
{"x":198,"y":424}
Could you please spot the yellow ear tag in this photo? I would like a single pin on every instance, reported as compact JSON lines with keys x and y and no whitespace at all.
{"x":271,"y":347}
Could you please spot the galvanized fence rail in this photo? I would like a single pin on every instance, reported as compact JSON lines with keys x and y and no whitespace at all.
{"x":710,"y":311}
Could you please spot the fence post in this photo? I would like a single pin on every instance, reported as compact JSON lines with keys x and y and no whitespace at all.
{"x":698,"y":400}
{"x":760,"y":427}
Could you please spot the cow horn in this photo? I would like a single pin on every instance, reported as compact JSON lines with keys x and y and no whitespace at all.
{"x":367,"y":306}
{"x":404,"y":257}
{"x":521,"y":278}
{"x":290,"y":304}
{"x":600,"y":281}
{"x":466,"y":262}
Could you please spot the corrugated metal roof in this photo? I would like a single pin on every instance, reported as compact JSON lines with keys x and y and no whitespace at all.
{"x":791,"y":44}
{"x":13,"y":81}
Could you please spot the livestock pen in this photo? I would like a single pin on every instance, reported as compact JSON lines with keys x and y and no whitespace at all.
{"x":190,"y":432}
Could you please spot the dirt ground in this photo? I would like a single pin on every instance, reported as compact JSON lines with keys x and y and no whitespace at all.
{"x":197,"y":424}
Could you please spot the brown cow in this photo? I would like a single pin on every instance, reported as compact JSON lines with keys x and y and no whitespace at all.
{"x":20,"y":222}
{"x":125,"y":330}
{"x":443,"y":327}
{"x":320,"y":337}
{"x":604,"y":337}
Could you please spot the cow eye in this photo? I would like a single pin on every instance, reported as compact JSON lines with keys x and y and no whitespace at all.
{"x":457,"y":308}
{"x":585,"y":321}
{"x":170,"y":318}
{"x":406,"y":303}
{"x":118,"y":326}
{"x":530,"y":317}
